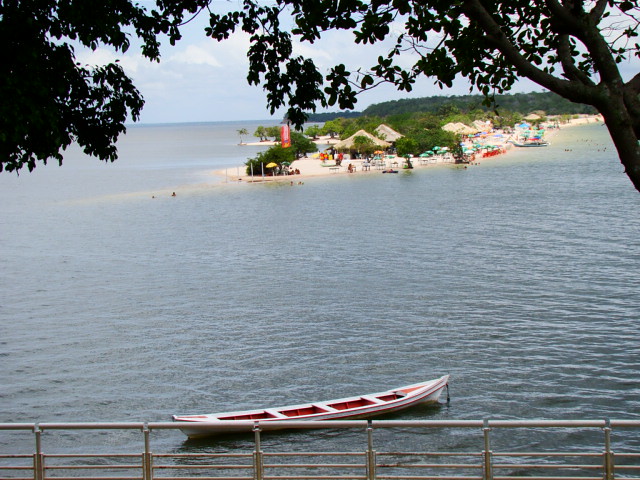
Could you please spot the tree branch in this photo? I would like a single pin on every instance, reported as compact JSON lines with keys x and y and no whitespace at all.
{"x":633,"y":85}
{"x":564,"y":17}
{"x":566,"y":59}
{"x":632,"y":101}
{"x":477,"y":13}
{"x":598,"y":10}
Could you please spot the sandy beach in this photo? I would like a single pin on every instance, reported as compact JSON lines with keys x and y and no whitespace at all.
{"x":312,"y":166}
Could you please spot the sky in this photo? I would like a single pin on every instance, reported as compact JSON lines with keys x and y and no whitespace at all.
{"x":201,"y":80}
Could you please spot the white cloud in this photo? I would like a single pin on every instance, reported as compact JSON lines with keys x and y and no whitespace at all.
{"x":196,"y":55}
{"x":130,"y":62}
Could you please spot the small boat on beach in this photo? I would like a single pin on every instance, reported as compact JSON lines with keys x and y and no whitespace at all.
{"x":362,"y":406}
{"x":535,"y":143}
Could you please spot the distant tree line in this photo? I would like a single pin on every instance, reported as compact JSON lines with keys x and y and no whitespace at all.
{"x":421,"y":130}
{"x":520,"y":103}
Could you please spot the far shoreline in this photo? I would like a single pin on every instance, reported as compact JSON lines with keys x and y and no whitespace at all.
{"x":311,"y":167}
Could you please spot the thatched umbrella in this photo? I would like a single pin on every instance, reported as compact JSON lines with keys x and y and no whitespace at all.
{"x":348,"y":143}
{"x":458,"y":127}
{"x":388,"y":133}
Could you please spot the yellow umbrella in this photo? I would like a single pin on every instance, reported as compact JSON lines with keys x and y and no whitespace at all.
{"x":271,"y":165}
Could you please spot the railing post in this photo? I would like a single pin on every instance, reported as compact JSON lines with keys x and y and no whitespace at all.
{"x":487,"y":471}
{"x":38,"y":457}
{"x":258,"y":465}
{"x":147,"y":456}
{"x":371,"y":454}
{"x":608,"y":453}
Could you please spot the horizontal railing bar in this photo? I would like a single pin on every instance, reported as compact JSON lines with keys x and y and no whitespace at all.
{"x":94,"y":478}
{"x":432,"y":465}
{"x":550,"y":466}
{"x":202,"y":455}
{"x":546,"y":478}
{"x":431,"y":454}
{"x":319,"y":454}
{"x":92,"y":426}
{"x":17,"y":426}
{"x":546,"y":454}
{"x":313,"y":465}
{"x":91,"y":467}
{"x":316,"y":477}
{"x":546,"y":423}
{"x":431,"y":477}
{"x":194,"y":467}
{"x":206,"y":478}
{"x":333,"y":424}
{"x":93,"y":455}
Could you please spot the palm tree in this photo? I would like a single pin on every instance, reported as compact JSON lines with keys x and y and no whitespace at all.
{"x":241,"y":132}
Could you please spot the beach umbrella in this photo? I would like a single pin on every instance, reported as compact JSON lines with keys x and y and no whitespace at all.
{"x":286,"y":163}
{"x":271,"y":165}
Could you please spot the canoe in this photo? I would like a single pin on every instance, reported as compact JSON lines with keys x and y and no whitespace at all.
{"x":531,"y":144}
{"x":362,"y":406}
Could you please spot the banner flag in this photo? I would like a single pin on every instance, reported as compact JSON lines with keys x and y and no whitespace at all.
{"x":285,"y":136}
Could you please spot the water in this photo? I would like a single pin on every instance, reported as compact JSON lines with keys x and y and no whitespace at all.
{"x":519,"y":277}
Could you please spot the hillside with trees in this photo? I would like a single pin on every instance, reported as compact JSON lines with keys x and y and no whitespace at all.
{"x":517,"y":103}
{"x":420,"y":121}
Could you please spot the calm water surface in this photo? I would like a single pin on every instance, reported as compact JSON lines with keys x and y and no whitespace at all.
{"x":519,"y":277}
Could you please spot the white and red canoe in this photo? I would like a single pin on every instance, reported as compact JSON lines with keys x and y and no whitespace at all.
{"x":363,"y":406}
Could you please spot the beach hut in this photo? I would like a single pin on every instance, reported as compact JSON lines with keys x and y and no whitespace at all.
{"x":460,"y":128}
{"x":482,"y":126}
{"x":348,"y":143}
{"x":387,"y":133}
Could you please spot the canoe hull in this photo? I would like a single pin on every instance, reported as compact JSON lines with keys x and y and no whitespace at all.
{"x":531,"y":144}
{"x":365,"y":406}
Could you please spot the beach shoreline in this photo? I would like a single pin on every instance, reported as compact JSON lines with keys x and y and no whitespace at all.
{"x":312,"y":167}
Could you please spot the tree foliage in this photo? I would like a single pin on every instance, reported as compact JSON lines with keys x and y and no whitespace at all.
{"x":570,"y":47}
{"x":49,"y":100}
{"x":523,"y":103}
{"x":301,"y":145}
{"x":275,"y":154}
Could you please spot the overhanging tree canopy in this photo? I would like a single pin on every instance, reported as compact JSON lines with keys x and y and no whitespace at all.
{"x":48,"y":99}
{"x":571,"y":47}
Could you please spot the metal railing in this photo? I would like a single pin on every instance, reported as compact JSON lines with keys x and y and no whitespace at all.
{"x":591,"y":457}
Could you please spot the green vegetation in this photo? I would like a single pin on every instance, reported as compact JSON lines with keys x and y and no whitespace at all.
{"x":524,"y":103}
{"x":571,"y":48}
{"x":421,"y":123}
{"x":300,"y":146}
{"x":508,"y":104}
{"x":243,"y":132}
